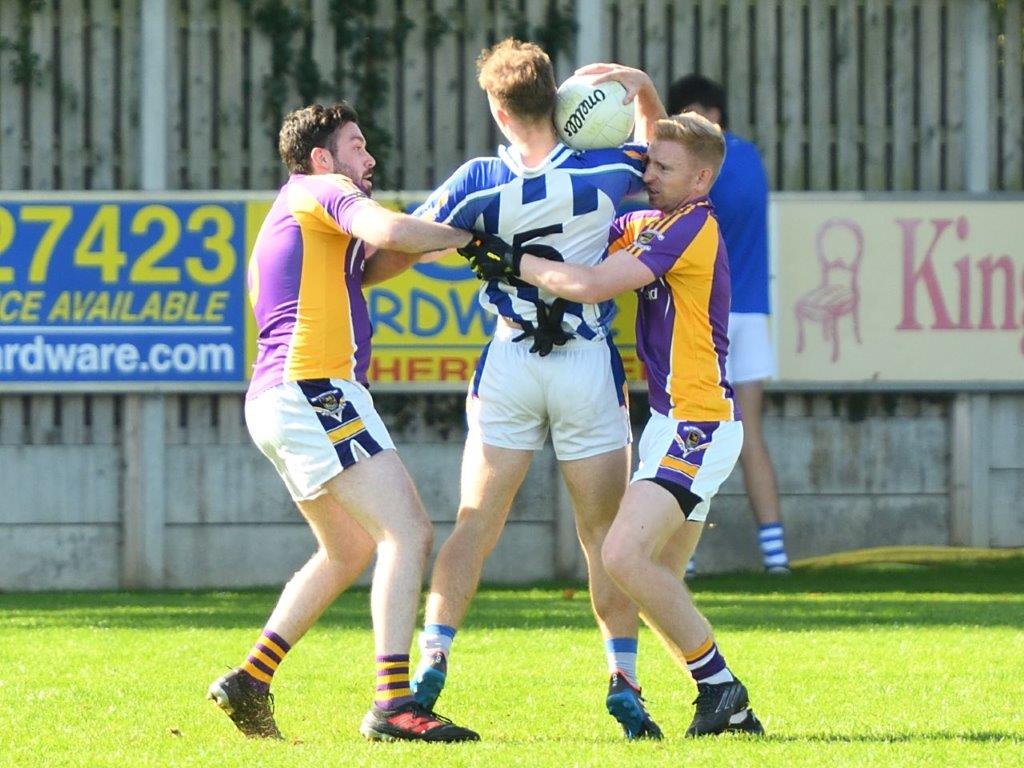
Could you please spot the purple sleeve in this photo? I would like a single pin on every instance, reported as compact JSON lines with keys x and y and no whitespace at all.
{"x":340,"y":198}
{"x":664,"y":250}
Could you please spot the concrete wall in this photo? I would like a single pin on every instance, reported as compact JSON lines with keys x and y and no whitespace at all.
{"x":102,"y":492}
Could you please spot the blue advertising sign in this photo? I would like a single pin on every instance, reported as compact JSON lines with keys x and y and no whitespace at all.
{"x":112,"y":291}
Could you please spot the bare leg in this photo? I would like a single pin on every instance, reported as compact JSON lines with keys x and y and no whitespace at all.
{"x":596,"y":485}
{"x":371,"y":505}
{"x":379,"y":494}
{"x":490,"y":478}
{"x":648,"y":519}
{"x":674,"y":556}
{"x":345,"y":550}
{"x":758,"y":472}
{"x":644,"y":553}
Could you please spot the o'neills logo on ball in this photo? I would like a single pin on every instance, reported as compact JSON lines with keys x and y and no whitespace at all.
{"x":576,"y":119}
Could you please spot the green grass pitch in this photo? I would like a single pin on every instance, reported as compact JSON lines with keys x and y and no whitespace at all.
{"x":864,"y":664}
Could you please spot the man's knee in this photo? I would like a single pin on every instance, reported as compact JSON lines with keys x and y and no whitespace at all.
{"x":593,"y":540}
{"x":619,"y":555}
{"x":420,"y":532}
{"x":411,"y":533}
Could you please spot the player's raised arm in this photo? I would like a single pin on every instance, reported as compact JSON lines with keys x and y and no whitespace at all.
{"x":640,"y":89}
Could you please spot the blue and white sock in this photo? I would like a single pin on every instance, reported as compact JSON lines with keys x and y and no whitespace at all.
{"x":436,"y":637}
{"x":621,"y":653}
{"x":773,"y":548}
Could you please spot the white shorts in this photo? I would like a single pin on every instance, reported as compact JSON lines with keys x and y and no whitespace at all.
{"x":578,"y":392}
{"x":312,"y":430}
{"x":697,"y":456}
{"x":751,"y":356}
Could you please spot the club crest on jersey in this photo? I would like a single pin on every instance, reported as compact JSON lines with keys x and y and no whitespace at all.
{"x":648,"y":236}
{"x":691,"y":439}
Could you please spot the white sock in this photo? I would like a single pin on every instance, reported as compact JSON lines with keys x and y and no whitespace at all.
{"x":621,"y":653}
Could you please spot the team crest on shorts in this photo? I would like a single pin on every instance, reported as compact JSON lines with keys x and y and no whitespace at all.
{"x":692,"y":439}
{"x":328,"y":404}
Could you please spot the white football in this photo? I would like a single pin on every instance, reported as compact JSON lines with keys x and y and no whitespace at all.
{"x":592,"y":116}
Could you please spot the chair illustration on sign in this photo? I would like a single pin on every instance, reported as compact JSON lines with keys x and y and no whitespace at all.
{"x":840,"y":247}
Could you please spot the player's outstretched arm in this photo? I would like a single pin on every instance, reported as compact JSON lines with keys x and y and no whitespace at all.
{"x":386,"y":229}
{"x":619,"y":273}
{"x":640,"y":89}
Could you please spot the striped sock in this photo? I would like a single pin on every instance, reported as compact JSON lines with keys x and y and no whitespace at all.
{"x":621,"y":653}
{"x":265,"y":656}
{"x":392,"y":681}
{"x":773,"y":548}
{"x":707,"y":665}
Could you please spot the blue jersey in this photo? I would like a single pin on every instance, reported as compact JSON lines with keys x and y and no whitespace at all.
{"x":740,"y":196}
{"x":562,"y":209}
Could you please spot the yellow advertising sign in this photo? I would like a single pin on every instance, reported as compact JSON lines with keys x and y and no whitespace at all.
{"x":429,"y":327}
{"x":899,"y":291}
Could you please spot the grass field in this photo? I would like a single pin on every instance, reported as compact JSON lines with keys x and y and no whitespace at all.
{"x":870,"y":664}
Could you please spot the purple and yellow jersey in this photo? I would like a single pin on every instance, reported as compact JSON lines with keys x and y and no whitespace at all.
{"x":682,"y":317}
{"x":305,"y":285}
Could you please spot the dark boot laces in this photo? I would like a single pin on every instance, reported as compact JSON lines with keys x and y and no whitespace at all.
{"x":705,"y":700}
{"x":422,"y":711}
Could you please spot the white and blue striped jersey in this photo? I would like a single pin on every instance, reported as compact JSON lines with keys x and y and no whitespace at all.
{"x":562,"y":210}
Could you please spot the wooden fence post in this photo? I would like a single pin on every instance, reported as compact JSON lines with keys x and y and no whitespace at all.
{"x":588,"y":33}
{"x":144,"y":492}
{"x":153,"y":95}
{"x":978,"y":48}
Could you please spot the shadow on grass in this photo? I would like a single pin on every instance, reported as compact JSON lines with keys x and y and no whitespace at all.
{"x":989,"y":577}
{"x":990,"y":595}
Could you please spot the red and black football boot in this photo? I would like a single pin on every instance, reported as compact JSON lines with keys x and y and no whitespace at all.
{"x":412,"y":722}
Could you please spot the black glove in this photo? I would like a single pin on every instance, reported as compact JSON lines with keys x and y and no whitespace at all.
{"x":548,"y":333}
{"x":491,"y":257}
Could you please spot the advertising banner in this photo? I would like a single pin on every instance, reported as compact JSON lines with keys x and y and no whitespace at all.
{"x":122,"y":292}
{"x":894,"y":291}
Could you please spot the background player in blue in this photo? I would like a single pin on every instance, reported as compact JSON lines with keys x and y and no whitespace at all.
{"x":551,"y":364}
{"x":740,"y":197}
